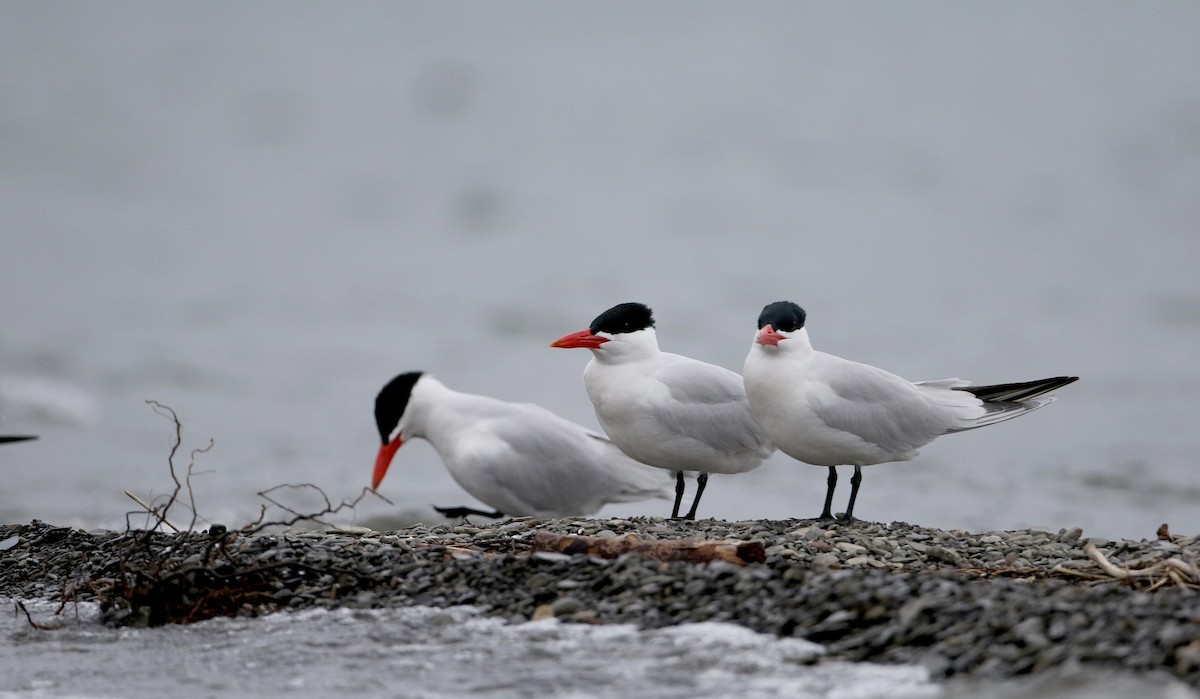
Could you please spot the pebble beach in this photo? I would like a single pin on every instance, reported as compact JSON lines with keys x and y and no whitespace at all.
{"x":960,"y":604}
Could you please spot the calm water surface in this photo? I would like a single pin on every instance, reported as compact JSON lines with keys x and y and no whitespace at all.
{"x":258,"y":215}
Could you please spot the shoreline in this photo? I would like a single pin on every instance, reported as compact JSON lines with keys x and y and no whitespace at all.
{"x":960,"y":604}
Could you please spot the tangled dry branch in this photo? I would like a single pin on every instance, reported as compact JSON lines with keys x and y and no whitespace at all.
{"x":1171,"y":571}
{"x":150,"y":584}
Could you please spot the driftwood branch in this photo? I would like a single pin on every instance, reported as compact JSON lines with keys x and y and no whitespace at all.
{"x":1174,"y":570}
{"x":736,"y":552}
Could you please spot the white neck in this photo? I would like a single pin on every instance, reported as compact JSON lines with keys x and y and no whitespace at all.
{"x":628,"y":347}
{"x":435,"y":410}
{"x":797,"y":342}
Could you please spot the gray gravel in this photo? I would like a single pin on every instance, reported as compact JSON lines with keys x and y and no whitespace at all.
{"x":994,"y":604}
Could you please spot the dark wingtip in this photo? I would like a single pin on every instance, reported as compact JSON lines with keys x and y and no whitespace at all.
{"x":1015,"y":392}
{"x":17,"y":438}
{"x":1058,"y":382}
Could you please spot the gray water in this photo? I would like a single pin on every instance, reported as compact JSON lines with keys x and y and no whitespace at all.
{"x":422,"y":653}
{"x":259,"y":213}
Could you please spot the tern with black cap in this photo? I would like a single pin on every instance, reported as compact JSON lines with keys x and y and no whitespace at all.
{"x":518,"y":458}
{"x":828,"y":411}
{"x":663,"y":409}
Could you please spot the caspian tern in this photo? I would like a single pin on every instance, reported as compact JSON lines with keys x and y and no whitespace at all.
{"x":663,"y":409}
{"x":519,"y":458}
{"x":829,"y":411}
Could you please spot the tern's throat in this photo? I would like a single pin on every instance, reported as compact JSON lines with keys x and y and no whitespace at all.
{"x":624,"y":348}
{"x":795,"y":344}
{"x":430,"y":405}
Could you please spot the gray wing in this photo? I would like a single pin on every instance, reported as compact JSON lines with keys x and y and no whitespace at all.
{"x":880,"y":408}
{"x":561,"y":467}
{"x":708,"y":403}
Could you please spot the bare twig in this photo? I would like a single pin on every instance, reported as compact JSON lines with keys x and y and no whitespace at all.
{"x":152,"y":510}
{"x":1063,"y":570}
{"x":18,"y":604}
{"x":188,"y":480}
{"x":150,"y":584}
{"x":159,"y":513}
{"x":259,"y":523}
{"x":166,"y":411}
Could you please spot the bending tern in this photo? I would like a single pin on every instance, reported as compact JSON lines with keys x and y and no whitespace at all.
{"x":518,"y":458}
{"x":663,"y":409}
{"x":829,"y":411}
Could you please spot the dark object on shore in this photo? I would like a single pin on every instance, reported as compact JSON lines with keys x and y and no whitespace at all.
{"x":690,"y":550}
{"x":16,"y":438}
{"x":464,"y":512}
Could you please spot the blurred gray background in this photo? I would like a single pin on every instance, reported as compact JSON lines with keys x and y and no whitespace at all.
{"x":259,"y":213}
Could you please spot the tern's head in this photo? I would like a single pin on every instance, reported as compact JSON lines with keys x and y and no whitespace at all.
{"x":392,"y":418}
{"x":778,"y":322}
{"x":624,"y":327}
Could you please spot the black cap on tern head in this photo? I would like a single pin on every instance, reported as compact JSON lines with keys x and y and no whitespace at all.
{"x":783,"y":316}
{"x":392,"y":401}
{"x":623,"y":318}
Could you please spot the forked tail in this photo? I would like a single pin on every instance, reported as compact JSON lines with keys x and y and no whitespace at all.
{"x":1008,"y":400}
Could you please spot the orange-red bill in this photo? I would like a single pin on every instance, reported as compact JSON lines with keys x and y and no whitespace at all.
{"x":386,"y":452}
{"x":583,"y":338}
{"x":768,"y":336}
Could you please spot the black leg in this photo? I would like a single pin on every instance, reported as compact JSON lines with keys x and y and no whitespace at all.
{"x":830,"y":484}
{"x":701,"y":481}
{"x":460,"y":512}
{"x":678,"y":494}
{"x":855,"y":480}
